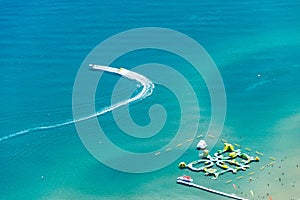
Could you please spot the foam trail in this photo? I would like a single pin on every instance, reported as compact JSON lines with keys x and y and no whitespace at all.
{"x":147,"y":90}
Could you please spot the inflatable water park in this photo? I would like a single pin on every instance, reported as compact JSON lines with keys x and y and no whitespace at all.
{"x":225,"y":163}
{"x":226,"y":160}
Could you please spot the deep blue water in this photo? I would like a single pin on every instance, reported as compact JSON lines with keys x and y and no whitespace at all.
{"x":43,"y":44}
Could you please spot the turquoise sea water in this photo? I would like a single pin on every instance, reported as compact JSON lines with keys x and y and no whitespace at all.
{"x":44,"y":43}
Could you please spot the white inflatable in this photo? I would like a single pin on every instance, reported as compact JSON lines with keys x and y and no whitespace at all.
{"x":201,"y":145}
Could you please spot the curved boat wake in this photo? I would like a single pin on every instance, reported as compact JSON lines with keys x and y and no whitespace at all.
{"x":147,"y":90}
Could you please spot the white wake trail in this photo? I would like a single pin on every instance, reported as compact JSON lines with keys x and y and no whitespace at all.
{"x":147,"y":90}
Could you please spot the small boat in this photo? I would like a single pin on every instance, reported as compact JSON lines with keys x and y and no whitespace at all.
{"x":185,"y":178}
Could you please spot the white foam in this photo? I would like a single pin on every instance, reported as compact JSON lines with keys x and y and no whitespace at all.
{"x":147,"y":90}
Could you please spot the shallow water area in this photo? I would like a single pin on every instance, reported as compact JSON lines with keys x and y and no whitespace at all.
{"x":255,"y":45}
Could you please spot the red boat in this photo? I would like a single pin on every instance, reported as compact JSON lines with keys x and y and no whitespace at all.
{"x":185,"y":178}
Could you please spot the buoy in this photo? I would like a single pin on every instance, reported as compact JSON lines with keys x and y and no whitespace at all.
{"x":251,"y":173}
{"x":272,"y":158}
{"x":224,"y":141}
{"x":248,"y":149}
{"x":261,"y":154}
{"x":234,"y":186}
{"x":168,"y":149}
{"x":182,"y":165}
{"x":235,"y":144}
{"x":252,"y":194}
{"x":178,"y":145}
{"x":271,"y":163}
{"x":189,"y":140}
